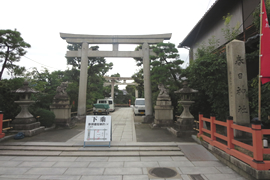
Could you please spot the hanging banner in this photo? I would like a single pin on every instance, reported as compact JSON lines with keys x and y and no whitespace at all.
{"x":97,"y":129}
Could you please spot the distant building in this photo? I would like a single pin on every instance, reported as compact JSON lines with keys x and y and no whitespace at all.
{"x":212,"y":22}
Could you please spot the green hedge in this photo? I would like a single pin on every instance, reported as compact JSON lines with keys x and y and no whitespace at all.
{"x":46,"y":117}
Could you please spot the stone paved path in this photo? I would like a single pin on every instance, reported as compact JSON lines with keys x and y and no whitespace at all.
{"x":125,"y":160}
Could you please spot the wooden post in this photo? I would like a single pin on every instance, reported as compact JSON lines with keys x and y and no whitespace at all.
{"x":1,"y":125}
{"x":257,"y":142}
{"x":200,"y":124}
{"x":230,"y":134}
{"x":213,"y":127}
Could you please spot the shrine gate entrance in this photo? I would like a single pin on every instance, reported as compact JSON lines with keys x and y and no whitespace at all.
{"x":115,"y":40}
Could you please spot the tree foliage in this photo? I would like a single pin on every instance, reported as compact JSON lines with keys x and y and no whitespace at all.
{"x":165,"y":68}
{"x":12,"y":47}
{"x":208,"y":75}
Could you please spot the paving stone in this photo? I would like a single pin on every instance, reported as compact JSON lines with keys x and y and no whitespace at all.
{"x":46,"y":171}
{"x":36,"y":164}
{"x":60,"y":159}
{"x":84,"y":171}
{"x":141,"y":164}
{"x":124,"y":159}
{"x":82,"y":153}
{"x":12,"y":170}
{"x":129,"y":148}
{"x":185,"y":177}
{"x":88,"y":159}
{"x":71,"y":164}
{"x":60,"y":177}
{"x":208,"y":163}
{"x":135,"y":177}
{"x":224,"y":177}
{"x":106,"y":164}
{"x":21,"y":176}
{"x":29,"y":158}
{"x":161,"y":153}
{"x":179,"y":158}
{"x":30,"y":153}
{"x":6,"y":158}
{"x":225,"y":170}
{"x":101,"y":177}
{"x":199,"y":170}
{"x":122,"y":171}
{"x":9,"y":163}
{"x":145,"y":171}
{"x":175,"y":164}
{"x":159,"y":158}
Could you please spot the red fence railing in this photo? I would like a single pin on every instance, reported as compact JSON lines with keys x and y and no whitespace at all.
{"x":257,"y":148}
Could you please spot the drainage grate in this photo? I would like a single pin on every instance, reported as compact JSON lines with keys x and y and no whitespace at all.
{"x":196,"y":177}
{"x":162,"y":172}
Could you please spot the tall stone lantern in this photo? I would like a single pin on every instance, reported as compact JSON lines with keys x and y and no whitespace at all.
{"x":24,"y":121}
{"x":184,"y":124}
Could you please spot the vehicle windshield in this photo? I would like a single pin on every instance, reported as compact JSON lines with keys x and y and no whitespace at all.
{"x":102,"y":102}
{"x":139,"y":102}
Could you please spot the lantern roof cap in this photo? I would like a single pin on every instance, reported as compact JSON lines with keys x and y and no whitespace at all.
{"x":186,"y":89}
{"x":25,"y":89}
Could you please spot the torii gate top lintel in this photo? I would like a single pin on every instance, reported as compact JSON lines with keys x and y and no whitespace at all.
{"x":115,"y":39}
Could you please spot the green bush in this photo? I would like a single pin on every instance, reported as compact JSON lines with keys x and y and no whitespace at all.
{"x":46,"y":117}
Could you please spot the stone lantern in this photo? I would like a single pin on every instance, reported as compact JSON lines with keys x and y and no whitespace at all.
{"x":24,"y":121}
{"x":186,"y":95}
{"x":184,"y":124}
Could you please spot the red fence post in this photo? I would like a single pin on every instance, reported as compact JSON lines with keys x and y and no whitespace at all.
{"x":213,"y":127}
{"x":257,"y":141}
{"x":1,"y":125}
{"x":200,"y":124}
{"x":230,"y":134}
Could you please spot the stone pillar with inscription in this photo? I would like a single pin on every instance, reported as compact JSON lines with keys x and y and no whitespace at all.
{"x":237,"y":82}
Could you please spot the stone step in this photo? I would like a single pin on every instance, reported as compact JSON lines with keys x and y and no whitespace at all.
{"x":113,"y":144}
{"x":89,"y":153}
{"x":61,"y":148}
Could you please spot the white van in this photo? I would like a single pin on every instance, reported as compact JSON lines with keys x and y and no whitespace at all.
{"x":139,"y":107}
{"x":107,"y":101}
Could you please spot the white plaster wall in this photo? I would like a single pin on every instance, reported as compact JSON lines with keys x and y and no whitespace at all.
{"x":216,"y":29}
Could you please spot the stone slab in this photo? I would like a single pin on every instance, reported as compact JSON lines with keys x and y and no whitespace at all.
{"x":103,"y":177}
{"x":84,"y":171}
{"x":161,"y":153}
{"x":46,"y":171}
{"x":197,"y":153}
{"x":108,"y":154}
{"x":122,"y":171}
{"x":29,"y":153}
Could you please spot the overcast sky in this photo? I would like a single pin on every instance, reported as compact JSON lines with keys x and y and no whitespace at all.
{"x":40,"y":23}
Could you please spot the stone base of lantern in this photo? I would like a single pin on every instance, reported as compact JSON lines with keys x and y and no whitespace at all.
{"x":182,"y":128}
{"x":28,"y":126}
{"x":29,"y":133}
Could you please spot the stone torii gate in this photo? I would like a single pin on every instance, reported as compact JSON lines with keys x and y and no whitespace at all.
{"x":113,"y":83}
{"x":115,"y":40}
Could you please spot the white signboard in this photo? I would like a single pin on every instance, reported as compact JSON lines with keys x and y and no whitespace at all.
{"x":97,"y":129}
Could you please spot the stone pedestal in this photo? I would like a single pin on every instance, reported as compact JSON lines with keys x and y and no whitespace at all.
{"x":184,"y":125}
{"x":163,"y":112}
{"x":25,"y":122}
{"x":62,"y":110}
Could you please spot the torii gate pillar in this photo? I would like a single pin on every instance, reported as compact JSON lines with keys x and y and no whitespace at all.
{"x":83,"y":80}
{"x":147,"y":84}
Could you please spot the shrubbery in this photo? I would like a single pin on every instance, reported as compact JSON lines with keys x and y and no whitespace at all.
{"x":46,"y":117}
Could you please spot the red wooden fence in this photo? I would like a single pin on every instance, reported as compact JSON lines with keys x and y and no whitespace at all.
{"x":257,"y":132}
